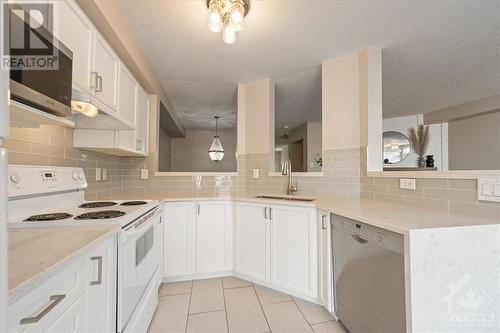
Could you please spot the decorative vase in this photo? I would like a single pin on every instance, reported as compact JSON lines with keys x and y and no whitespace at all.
{"x":421,"y":162}
{"x":429,"y":161}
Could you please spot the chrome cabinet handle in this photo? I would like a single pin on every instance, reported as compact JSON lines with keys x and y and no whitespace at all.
{"x":199,"y":209}
{"x":99,"y":84}
{"x":265,"y":213}
{"x":270,"y":213}
{"x":323,"y":222}
{"x":359,"y":239}
{"x":93,"y":80}
{"x":99,"y":271}
{"x":54,"y":300}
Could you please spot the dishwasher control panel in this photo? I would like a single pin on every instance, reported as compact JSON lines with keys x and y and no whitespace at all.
{"x":364,"y":232}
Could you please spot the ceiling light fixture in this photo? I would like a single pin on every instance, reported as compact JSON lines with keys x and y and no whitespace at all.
{"x":216,"y":151}
{"x":227,"y":16}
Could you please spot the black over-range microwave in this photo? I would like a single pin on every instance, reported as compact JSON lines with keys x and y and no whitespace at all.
{"x":46,"y":89}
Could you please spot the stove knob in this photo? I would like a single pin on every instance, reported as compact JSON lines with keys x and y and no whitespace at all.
{"x":75,"y":175}
{"x":15,"y":178}
{"x":81,"y":175}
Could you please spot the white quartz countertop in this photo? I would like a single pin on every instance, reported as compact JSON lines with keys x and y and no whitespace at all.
{"x":36,"y":254}
{"x":398,"y":218}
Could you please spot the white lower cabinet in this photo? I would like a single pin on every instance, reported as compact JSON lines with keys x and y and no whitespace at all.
{"x":80,"y":298}
{"x":325,"y":261}
{"x":101,"y":292}
{"x":251,"y":249}
{"x":277,"y":244}
{"x":178,"y":231}
{"x":197,"y":238}
{"x":214,"y":237}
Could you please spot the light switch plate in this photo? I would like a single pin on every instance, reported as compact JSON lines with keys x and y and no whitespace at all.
{"x":488,"y":189}
{"x":144,"y":173}
{"x":97,"y":174}
{"x":407,"y":184}
{"x":255,"y":173}
{"x":104,"y":174}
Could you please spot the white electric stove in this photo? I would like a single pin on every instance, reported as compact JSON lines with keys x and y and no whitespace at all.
{"x":46,"y":196}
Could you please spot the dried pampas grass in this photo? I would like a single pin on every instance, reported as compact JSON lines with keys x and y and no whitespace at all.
{"x":420,"y":139}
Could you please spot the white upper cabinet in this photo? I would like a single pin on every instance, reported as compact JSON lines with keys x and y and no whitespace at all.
{"x":127,"y":95}
{"x":252,"y":240}
{"x":213,"y":237}
{"x":104,"y":77}
{"x":76,"y":31}
{"x":294,"y":249}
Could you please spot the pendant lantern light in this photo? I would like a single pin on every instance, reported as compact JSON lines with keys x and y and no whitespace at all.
{"x":216,"y":151}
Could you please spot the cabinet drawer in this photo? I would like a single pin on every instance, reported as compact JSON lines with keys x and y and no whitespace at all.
{"x":40,"y":309}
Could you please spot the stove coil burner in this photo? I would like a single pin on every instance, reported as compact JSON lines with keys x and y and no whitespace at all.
{"x":100,"y":215}
{"x":133,"y":203}
{"x":97,"y":204}
{"x":48,"y":217}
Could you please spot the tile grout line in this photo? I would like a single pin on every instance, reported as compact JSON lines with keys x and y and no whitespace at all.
{"x":189,"y":307}
{"x":261,"y":306}
{"x":307,"y":321}
{"x":225,"y":306}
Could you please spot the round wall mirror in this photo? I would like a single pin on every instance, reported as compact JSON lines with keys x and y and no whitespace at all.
{"x":396,"y":147}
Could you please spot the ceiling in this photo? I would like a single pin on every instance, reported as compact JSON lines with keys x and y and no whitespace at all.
{"x":283,"y":38}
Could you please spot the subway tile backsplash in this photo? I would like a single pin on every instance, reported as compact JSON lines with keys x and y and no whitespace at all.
{"x":344,"y":173}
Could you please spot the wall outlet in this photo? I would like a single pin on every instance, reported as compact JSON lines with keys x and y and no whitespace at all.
{"x":407,"y":184}
{"x":488,"y":189}
{"x":97,"y":174}
{"x":104,"y":174}
{"x":255,"y":173}
{"x":144,"y":173}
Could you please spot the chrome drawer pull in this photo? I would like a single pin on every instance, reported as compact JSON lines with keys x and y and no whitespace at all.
{"x":99,"y":271}
{"x":55,"y":299}
{"x":324,"y":226}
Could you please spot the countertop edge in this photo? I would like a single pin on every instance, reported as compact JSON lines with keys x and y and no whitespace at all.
{"x":27,"y":286}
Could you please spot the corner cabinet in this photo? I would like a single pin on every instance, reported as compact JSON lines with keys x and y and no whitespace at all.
{"x":277,"y":245}
{"x":197,"y":239}
{"x":325,"y":263}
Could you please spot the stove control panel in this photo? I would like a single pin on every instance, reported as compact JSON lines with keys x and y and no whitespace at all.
{"x":26,"y":180}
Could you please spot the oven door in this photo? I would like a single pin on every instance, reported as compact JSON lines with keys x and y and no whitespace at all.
{"x":139,"y":262}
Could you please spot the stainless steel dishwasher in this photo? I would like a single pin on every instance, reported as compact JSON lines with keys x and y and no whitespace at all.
{"x":368,"y":266}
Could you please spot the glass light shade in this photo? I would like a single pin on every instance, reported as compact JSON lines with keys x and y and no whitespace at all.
{"x":236,"y":19}
{"x":87,"y":109}
{"x":229,"y":34}
{"x":214,"y":21}
{"x":216,"y":151}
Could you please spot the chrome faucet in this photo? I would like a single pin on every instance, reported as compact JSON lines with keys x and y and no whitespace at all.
{"x":287,"y":171}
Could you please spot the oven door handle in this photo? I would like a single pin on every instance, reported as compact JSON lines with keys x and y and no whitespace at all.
{"x":139,"y":228}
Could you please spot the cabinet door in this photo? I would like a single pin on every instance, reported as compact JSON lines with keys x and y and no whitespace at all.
{"x":73,"y":319}
{"x":142,"y":124}
{"x":294,"y":249}
{"x":325,"y":261}
{"x":127,"y":95}
{"x":74,"y":29}
{"x":213,"y":236}
{"x":179,"y":230}
{"x":102,"y":266}
{"x":106,"y":65}
{"x":252,"y":240}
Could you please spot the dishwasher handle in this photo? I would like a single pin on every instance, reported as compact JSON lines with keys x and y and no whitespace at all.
{"x":359,"y":239}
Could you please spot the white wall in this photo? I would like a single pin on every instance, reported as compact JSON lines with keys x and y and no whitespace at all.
{"x":255,"y":116}
{"x":314,"y":146}
{"x":402,"y":124}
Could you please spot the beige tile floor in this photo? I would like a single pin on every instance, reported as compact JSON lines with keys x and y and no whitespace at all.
{"x":231,"y":305}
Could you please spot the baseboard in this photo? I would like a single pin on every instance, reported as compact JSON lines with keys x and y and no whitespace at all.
{"x":197,"y":276}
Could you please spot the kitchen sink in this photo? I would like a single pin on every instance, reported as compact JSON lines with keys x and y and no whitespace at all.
{"x":283,"y":197}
